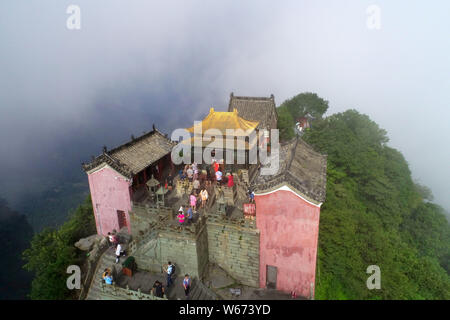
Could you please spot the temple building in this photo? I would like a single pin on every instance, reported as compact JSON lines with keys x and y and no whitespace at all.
{"x":215,"y":128}
{"x":274,"y":245}
{"x":287,"y":216}
{"x":259,"y":109}
{"x":118,"y":177}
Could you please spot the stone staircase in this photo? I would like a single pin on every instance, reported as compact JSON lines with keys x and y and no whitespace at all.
{"x":230,"y":195}
{"x":244,"y":176}
{"x":99,"y":291}
{"x":106,"y":261}
{"x":200,"y":292}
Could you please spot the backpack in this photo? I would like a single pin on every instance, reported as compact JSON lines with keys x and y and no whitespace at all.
{"x":173,"y":269}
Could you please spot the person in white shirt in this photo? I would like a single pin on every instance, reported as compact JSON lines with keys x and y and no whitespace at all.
{"x":196,"y":185}
{"x":190,"y":174}
{"x":219,"y":177}
{"x":169,"y":269}
{"x":119,"y":252}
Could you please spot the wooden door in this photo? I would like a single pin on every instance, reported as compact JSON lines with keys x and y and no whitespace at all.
{"x":271,"y":277}
{"x":121,"y":217}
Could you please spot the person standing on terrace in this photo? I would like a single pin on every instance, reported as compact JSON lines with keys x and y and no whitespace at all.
{"x":251,"y":195}
{"x":204,"y":196}
{"x":219,"y":177}
{"x":190,"y":215}
{"x":169,"y":181}
{"x":216,"y":166}
{"x":186,"y":285}
{"x":195,"y":170}
{"x":119,"y":252}
{"x":180,"y":218}
{"x":193,"y":201}
{"x":196,"y":185}
{"x":190,"y":173}
{"x":113,"y":240}
{"x":230,"y":180}
{"x":169,"y":270}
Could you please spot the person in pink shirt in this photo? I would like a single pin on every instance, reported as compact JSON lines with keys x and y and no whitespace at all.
{"x":193,"y":201}
{"x":180,"y":218}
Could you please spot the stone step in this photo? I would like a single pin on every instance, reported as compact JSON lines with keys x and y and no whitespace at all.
{"x":195,"y":293}
{"x":200,"y":292}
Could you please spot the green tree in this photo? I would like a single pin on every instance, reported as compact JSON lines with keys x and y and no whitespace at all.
{"x":374,"y":214}
{"x":52,"y":251}
{"x":424,"y":191}
{"x":305,"y":103}
{"x":285,"y":124}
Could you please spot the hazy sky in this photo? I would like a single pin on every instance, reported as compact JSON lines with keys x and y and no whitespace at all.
{"x":64,"y":93}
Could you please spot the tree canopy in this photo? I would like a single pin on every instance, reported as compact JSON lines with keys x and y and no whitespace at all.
{"x":305,"y":103}
{"x":374,"y":214}
{"x":52,"y":251}
{"x":285,"y":124}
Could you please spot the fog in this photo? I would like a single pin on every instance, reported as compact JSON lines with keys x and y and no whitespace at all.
{"x":66,"y":93}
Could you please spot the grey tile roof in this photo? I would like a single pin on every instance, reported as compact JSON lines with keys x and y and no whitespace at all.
{"x":259,"y":109}
{"x":135,"y":155}
{"x":301,"y":167}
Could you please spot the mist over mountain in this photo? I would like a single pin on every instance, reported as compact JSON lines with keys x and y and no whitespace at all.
{"x":66,"y":93}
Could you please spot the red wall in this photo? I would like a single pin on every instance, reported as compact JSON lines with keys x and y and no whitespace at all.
{"x":289,"y":228}
{"x":110,"y":192}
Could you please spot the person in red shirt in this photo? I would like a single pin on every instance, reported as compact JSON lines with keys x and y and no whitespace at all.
{"x":230,"y":181}
{"x":216,"y":166}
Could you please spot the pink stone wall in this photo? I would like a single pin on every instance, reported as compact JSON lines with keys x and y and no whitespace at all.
{"x":289,"y":228}
{"x":110,"y":192}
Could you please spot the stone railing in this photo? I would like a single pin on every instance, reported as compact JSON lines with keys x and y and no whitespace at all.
{"x":149,"y":211}
{"x":252,"y":173}
{"x":238,"y":222}
{"x":146,"y":218}
{"x":115,"y":292}
{"x":91,"y":264}
{"x":188,"y":230}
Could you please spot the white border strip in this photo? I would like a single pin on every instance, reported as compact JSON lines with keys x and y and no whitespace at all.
{"x":286,"y":188}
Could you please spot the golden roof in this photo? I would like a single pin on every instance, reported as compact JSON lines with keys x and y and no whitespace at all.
{"x":224,"y":120}
{"x":222,"y":143}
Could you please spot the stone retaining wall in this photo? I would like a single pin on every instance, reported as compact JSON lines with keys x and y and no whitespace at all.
{"x":234,"y":246}
{"x":231,"y":244}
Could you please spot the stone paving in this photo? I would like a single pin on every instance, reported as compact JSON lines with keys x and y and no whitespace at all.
{"x":225,"y":286}
{"x":144,"y":281}
{"x":217,"y":280}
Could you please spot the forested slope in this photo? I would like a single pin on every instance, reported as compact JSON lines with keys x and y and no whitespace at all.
{"x":374,"y":214}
